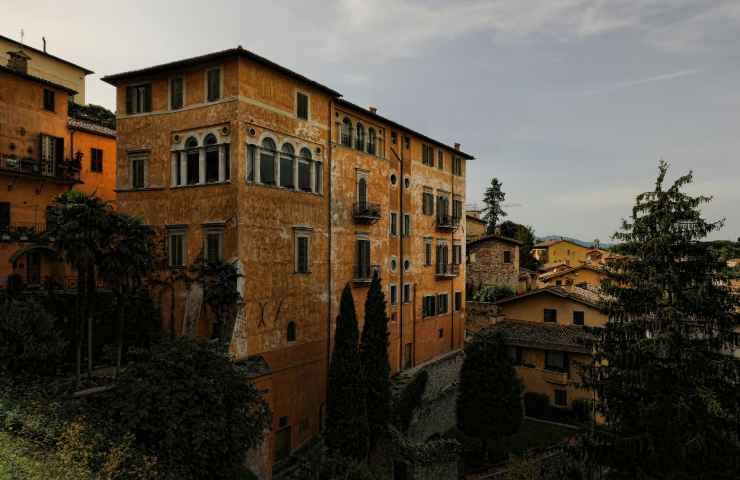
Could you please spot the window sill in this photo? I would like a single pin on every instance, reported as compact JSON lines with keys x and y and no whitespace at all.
{"x":143,"y":189}
{"x":284,"y":189}
{"x":210,"y":184}
{"x":303,"y":273}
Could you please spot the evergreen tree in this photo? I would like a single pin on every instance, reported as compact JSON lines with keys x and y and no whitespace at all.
{"x":375,"y":364}
{"x":493,"y":211}
{"x":665,"y":383}
{"x":346,"y":413}
{"x":489,"y":403}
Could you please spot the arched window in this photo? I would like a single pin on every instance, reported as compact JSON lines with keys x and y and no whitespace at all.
{"x":371,"y":139}
{"x":212,"y":161}
{"x":304,"y":170}
{"x":287,"y":169}
{"x":291,"y":333}
{"x":362,"y":192}
{"x":346,"y":132}
{"x":192,"y":161}
{"x":360,"y":140}
{"x":267,"y":162}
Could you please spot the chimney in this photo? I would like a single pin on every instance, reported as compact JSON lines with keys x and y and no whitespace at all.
{"x":457,"y":146}
{"x":43,"y":39}
{"x":373,"y":109}
{"x":18,"y":61}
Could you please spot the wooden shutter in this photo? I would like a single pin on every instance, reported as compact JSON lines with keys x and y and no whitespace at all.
{"x":129,"y":99}
{"x":4,"y":214}
{"x":59,"y":154}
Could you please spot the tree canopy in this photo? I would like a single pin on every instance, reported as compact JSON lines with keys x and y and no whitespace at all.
{"x":666,"y":384}
{"x":493,"y":201}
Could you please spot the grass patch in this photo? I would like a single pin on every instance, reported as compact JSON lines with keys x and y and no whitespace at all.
{"x":531,"y":435}
{"x":21,"y":459}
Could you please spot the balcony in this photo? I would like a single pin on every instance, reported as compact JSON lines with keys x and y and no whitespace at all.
{"x":447,"y":223}
{"x":363,"y":273}
{"x":366,"y":213}
{"x":22,"y":232}
{"x":555,"y":377}
{"x":67,"y":171}
{"x":447,"y":270}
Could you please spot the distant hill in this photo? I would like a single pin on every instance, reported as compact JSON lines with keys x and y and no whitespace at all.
{"x":574,"y":240}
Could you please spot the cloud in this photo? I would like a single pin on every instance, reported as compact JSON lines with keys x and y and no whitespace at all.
{"x":643,"y":81}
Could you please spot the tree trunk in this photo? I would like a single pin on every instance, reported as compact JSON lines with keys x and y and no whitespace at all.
{"x":90,"y":308}
{"x":119,"y":334}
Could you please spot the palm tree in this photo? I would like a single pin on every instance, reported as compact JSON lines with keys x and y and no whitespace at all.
{"x":80,"y":226}
{"x":125,"y":261}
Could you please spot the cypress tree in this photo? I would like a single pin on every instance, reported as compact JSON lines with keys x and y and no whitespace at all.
{"x":375,"y":364}
{"x":493,"y":201}
{"x":489,"y":403}
{"x":665,"y":382}
{"x":346,"y":413}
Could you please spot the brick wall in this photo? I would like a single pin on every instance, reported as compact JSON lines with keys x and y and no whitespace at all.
{"x":486,"y":265}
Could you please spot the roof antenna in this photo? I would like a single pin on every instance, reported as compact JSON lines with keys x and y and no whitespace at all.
{"x":43,"y":39}
{"x":22,"y":33}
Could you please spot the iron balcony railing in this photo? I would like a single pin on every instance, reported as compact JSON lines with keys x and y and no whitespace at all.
{"x":365,"y":212}
{"x":22,"y":231}
{"x":447,"y":222}
{"x":30,"y":166}
{"x":448,"y":269}
{"x":363,"y":273}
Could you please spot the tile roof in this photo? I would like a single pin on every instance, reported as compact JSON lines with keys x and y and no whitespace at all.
{"x":588,"y":297}
{"x":549,"y":275}
{"x":498,"y":238}
{"x":569,"y":338}
{"x":187,"y":62}
{"x":91,"y":127}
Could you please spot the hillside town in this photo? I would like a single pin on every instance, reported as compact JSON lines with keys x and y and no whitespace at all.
{"x":233,"y":205}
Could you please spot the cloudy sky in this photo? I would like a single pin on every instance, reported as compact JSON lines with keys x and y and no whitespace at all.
{"x":570,"y":103}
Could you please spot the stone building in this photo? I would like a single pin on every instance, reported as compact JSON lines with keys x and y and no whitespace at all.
{"x":234,"y":157}
{"x":492,"y":260}
{"x":43,"y":153}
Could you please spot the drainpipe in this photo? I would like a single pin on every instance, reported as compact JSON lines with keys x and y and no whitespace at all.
{"x":452,"y":280}
{"x":400,"y":252}
{"x":328,"y":251}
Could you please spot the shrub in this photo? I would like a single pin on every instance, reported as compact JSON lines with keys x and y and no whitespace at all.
{"x":409,"y":400}
{"x":536,"y":404}
{"x":582,"y":410}
{"x":188,"y":405}
{"x":493,"y":293}
{"x":29,"y":344}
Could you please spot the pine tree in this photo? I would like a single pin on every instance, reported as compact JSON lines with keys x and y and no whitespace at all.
{"x":489,"y":403}
{"x":346,"y":413}
{"x":665,"y":384}
{"x":375,"y":364}
{"x":493,"y":211}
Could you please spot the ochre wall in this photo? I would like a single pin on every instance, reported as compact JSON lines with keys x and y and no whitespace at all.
{"x":531,"y":309}
{"x":569,"y":253}
{"x":581,"y":275}
{"x":102,"y":184}
{"x":537,"y":379}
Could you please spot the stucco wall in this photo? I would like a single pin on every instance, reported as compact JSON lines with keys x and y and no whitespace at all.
{"x":531,"y":309}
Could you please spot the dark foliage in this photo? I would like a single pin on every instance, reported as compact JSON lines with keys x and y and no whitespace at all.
{"x":186,"y":404}
{"x":489,"y":399}
{"x":29,"y":344}
{"x":346,"y":411}
{"x":666,"y":384}
{"x":525,"y":234}
{"x":409,"y":400}
{"x":493,"y":293}
{"x":375,"y":364}
{"x":93,"y":113}
{"x":220,"y":294}
{"x":536,"y":404}
{"x":493,"y":210}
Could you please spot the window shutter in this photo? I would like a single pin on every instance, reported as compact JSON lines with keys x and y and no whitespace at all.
{"x":129,"y":99}
{"x":59,"y":151}
{"x":4,"y":214}
{"x":147,"y":98}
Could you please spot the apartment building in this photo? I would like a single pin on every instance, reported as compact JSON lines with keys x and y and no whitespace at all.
{"x":231,"y":156}
{"x":43,"y":153}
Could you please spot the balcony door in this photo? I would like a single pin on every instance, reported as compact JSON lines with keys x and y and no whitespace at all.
{"x":362,"y":191}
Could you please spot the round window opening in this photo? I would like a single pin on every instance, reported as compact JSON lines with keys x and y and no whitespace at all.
{"x":394,"y":179}
{"x":406,"y":265}
{"x":394,"y":264}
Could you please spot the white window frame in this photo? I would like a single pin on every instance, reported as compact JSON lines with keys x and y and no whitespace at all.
{"x":393,"y":287}
{"x":302,"y":232}
{"x":308,"y":104}
{"x":393,"y":224}
{"x":406,"y":227}
{"x":447,"y":303}
{"x":138,"y":156}
{"x":210,"y":230}
{"x":169,"y":92}
{"x":410,"y":297}
{"x":177,"y":232}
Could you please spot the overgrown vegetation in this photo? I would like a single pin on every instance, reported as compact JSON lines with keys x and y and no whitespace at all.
{"x":493,"y":293}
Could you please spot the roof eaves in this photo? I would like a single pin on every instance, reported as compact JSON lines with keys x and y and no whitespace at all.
{"x":380,"y":118}
{"x":37,"y":79}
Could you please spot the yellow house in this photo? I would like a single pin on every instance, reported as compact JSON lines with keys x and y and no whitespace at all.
{"x":48,"y":67}
{"x":560,"y":252}
{"x":545,"y":332}
{"x":583,"y":276}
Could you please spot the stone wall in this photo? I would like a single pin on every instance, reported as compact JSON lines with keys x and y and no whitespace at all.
{"x":481,"y":314}
{"x":486,"y":265}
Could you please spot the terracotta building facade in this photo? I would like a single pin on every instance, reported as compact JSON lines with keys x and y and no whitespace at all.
{"x":233,"y":157}
{"x":43,"y":153}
